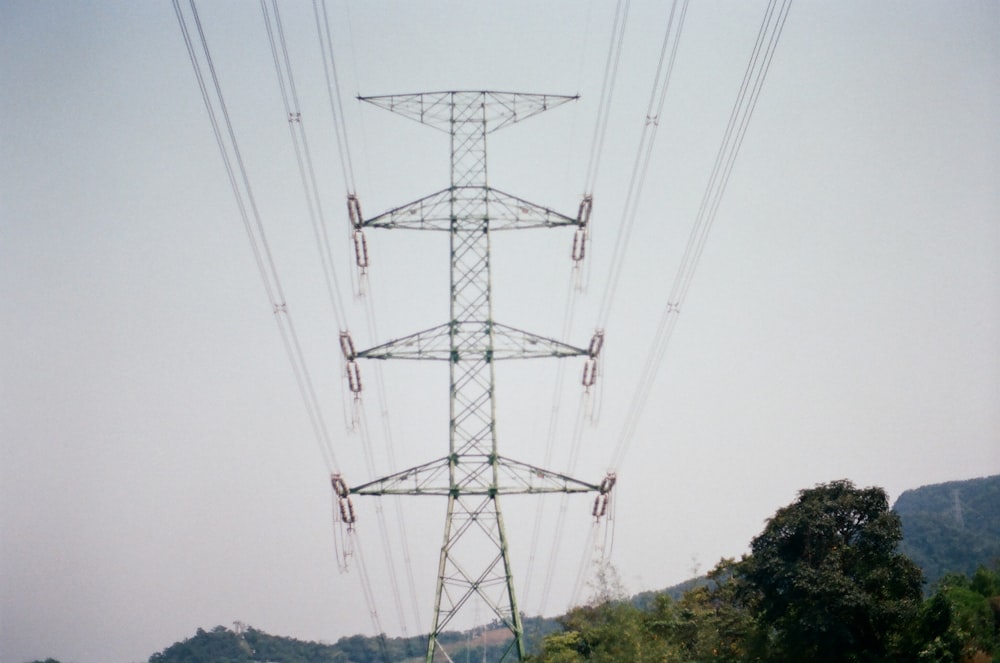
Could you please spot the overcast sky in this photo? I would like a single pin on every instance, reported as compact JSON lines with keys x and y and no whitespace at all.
{"x":158,"y":471}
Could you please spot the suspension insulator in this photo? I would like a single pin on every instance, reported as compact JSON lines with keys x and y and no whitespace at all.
{"x":354,"y":211}
{"x":347,"y":345}
{"x":596,"y":343}
{"x":347,"y":511}
{"x":600,"y":506}
{"x":360,"y":249}
{"x":339,"y":486}
{"x":583,"y":214}
{"x":608,"y":482}
{"x":353,"y":376}
{"x":579,"y":244}
{"x":590,"y":373}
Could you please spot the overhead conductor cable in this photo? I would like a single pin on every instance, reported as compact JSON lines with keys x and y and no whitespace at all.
{"x":746,"y":101}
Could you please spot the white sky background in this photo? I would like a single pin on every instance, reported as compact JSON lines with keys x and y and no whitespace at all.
{"x":158,"y":472}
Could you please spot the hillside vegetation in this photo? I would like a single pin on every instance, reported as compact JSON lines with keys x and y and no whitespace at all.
{"x":824,"y":582}
{"x":951,"y":527}
{"x":250,"y":645}
{"x":835,"y":576}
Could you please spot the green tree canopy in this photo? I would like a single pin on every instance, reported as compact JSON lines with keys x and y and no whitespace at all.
{"x":825,"y":578}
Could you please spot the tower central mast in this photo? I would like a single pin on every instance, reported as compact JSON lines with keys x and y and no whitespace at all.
{"x":474,"y":564}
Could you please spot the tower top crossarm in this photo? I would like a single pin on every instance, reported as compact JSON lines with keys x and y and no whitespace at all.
{"x":500,"y":109}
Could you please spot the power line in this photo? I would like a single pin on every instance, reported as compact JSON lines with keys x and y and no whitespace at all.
{"x":366,"y":588}
{"x":303,"y":157}
{"x":607,"y":92}
{"x":333,"y":92}
{"x":239,"y":181}
{"x":756,"y":71}
{"x":243,"y":194}
{"x":640,"y":167}
{"x":325,"y":38}
{"x":297,"y":129}
{"x":661,"y":80}
{"x":581,"y":240}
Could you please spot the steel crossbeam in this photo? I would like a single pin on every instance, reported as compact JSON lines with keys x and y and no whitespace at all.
{"x":504,"y":211}
{"x":498,"y":109}
{"x":513,"y":478}
{"x":508,"y":343}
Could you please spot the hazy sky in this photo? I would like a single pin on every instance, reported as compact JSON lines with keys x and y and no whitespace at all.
{"x":158,"y":472}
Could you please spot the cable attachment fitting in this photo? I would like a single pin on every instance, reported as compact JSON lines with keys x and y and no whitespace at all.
{"x":354,"y":211}
{"x":583,"y":213}
{"x":347,"y":346}
{"x":354,"y":377}
{"x":593,"y":352}
{"x":579,"y":244}
{"x":580,"y":237}
{"x":603,"y":498}
{"x":360,"y":250}
{"x":344,"y":504}
{"x":339,"y":486}
{"x":350,"y":354}
{"x":596,"y":343}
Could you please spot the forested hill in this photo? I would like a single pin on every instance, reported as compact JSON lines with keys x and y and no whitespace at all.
{"x":947,"y":528}
{"x":245,"y":644}
{"x":951,"y":527}
{"x":249,"y":645}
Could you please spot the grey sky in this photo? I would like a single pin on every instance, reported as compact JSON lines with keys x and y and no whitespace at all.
{"x":157,"y":469}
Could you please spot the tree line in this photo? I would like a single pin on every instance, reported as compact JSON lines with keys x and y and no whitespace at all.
{"x":824,"y":582}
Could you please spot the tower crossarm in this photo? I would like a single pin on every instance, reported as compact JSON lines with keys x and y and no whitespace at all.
{"x":502,"y":211}
{"x":507,"y":343}
{"x":427,"y":479}
{"x":522,"y":478}
{"x":499,"y":109}
{"x":513,"y":478}
{"x":512,"y":343}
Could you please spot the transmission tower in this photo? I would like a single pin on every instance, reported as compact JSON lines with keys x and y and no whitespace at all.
{"x":474,"y":561}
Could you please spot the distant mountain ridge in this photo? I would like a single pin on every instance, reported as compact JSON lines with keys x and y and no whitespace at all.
{"x":245,"y":644}
{"x":951,"y":527}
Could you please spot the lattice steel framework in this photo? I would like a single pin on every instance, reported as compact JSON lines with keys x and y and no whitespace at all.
{"x":474,"y":561}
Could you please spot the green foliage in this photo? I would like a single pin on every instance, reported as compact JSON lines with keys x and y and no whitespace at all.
{"x":611,"y":632}
{"x":951,"y":527}
{"x":221,"y":645}
{"x":826,"y":580}
{"x":251,"y":645}
{"x":961,"y":621}
{"x":716,"y":619}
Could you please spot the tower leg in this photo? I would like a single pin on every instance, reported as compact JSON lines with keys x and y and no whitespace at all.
{"x":475,"y":567}
{"x":432,"y":641}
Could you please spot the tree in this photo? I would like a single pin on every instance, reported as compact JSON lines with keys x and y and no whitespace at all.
{"x":712,"y":620}
{"x":613,"y":632}
{"x":961,"y":621}
{"x":826,"y":582}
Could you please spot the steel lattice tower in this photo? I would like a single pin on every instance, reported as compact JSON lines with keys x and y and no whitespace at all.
{"x":474,"y":561}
